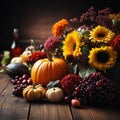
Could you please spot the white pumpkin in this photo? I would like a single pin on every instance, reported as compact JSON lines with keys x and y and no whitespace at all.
{"x":54,"y":94}
{"x":16,"y":60}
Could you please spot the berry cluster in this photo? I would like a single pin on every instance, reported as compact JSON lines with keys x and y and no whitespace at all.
{"x":103,"y":18}
{"x":95,"y":89}
{"x":90,"y":14}
{"x":100,"y":18}
{"x":20,"y":83}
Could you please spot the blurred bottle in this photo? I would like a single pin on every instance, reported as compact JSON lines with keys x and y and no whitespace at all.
{"x":16,"y":49}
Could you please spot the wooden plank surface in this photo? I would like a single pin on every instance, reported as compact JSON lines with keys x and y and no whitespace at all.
{"x":16,"y":108}
{"x":97,"y":113}
{"x":47,"y":111}
{"x":11,"y":107}
{"x":4,"y":81}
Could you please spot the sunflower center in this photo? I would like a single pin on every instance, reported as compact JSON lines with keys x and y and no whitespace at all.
{"x":102,"y":56}
{"x":101,"y":35}
{"x":74,"y":46}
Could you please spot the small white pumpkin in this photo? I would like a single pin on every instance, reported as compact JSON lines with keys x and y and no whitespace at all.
{"x":54,"y":94}
{"x":16,"y":60}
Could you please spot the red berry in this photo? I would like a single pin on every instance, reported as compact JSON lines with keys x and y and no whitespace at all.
{"x":75,"y":103}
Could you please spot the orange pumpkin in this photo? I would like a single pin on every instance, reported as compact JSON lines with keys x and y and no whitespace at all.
{"x":34,"y":92}
{"x":45,"y":70}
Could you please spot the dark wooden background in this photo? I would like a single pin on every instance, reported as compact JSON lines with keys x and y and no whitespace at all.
{"x":34,"y":18}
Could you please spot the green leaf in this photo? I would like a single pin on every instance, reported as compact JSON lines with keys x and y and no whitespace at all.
{"x":75,"y":69}
{"x":55,"y":83}
{"x":86,"y":71}
{"x":85,"y":33}
{"x":85,"y":48}
{"x":6,"y":58}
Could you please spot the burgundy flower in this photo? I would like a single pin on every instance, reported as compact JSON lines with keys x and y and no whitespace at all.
{"x":69,"y":82}
{"x":52,"y":43}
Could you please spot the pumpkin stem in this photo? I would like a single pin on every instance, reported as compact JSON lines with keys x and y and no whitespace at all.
{"x":54,"y":89}
{"x":49,"y":56}
{"x":33,"y":85}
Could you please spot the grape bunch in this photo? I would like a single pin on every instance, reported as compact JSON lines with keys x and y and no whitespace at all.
{"x":95,"y":89}
{"x":20,"y":83}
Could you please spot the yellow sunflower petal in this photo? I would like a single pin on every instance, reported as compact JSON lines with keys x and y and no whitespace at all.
{"x":99,"y":62}
{"x":72,"y":44}
{"x":101,"y":34}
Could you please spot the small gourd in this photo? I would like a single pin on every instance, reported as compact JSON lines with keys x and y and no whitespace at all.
{"x":54,"y":94}
{"x":17,"y":69}
{"x":34,"y":92}
{"x":16,"y":60}
{"x":25,"y":55}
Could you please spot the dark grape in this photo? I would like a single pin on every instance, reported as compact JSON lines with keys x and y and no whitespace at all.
{"x":93,"y":89}
{"x":20,"y":83}
{"x":96,"y":89}
{"x":25,"y":76}
{"x":24,"y":81}
{"x":67,"y":99}
{"x":29,"y":81}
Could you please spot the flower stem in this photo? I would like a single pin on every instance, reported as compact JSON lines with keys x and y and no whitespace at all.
{"x":49,"y":56}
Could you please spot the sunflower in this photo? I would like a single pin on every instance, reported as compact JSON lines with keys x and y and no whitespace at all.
{"x":72,"y":44}
{"x":102,"y":58}
{"x":101,"y":34}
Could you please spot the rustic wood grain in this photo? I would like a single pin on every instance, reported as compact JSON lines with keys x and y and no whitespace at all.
{"x":111,"y":112}
{"x":11,"y":107}
{"x":16,"y":108}
{"x":4,"y":81}
{"x":106,"y":113}
{"x":47,"y":111}
{"x":83,"y":113}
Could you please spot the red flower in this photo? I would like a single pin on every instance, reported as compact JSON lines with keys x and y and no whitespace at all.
{"x":115,"y":43}
{"x":69,"y":82}
{"x":36,"y":56}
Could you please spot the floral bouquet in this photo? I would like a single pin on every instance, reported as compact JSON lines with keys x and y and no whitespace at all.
{"x":91,"y":47}
{"x":93,"y":42}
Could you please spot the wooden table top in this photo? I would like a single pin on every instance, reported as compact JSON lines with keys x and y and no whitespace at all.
{"x":16,"y":108}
